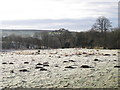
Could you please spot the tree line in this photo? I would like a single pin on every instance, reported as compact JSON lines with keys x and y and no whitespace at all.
{"x":100,"y":35}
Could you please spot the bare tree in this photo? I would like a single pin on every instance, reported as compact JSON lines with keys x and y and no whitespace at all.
{"x":66,"y":38}
{"x":45,"y":38}
{"x":62,"y":35}
{"x":102,"y":24}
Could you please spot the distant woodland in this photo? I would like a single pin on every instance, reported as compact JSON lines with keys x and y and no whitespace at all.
{"x":101,"y":35}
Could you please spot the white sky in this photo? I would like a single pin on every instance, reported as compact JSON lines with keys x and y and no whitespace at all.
{"x":55,"y":9}
{"x":49,"y":9}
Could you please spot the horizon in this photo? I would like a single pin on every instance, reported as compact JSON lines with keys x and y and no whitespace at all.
{"x":40,"y":30}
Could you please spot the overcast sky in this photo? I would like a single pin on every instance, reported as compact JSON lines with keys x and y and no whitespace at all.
{"x":54,"y":14}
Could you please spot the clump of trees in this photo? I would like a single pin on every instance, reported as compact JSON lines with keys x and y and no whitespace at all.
{"x":18,"y":42}
{"x":92,"y":39}
{"x":61,"y":38}
{"x":100,"y":35}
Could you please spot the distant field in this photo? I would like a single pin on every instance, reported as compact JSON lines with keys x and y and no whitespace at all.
{"x":7,"y":32}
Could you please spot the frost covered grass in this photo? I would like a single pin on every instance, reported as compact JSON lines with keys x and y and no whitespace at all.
{"x":59,"y":68}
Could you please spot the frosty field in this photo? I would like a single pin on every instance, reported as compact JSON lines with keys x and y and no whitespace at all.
{"x":59,"y":68}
